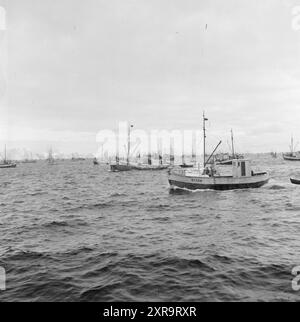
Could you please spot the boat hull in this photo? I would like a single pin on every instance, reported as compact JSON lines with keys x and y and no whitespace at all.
{"x":217,"y":183}
{"x":120,"y":167}
{"x":150,"y":168}
{"x":7,"y":166}
{"x":287,"y":158}
{"x":295,"y":181}
{"x":186,"y":166}
{"x":229,"y":162}
{"x":130,"y":167}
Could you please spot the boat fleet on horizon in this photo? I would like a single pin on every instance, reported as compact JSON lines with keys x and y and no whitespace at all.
{"x":216,"y":172}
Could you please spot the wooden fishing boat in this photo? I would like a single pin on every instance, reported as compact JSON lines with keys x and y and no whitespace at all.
{"x":6,"y":163}
{"x":227,"y":159}
{"x":119,"y":167}
{"x":29,"y":161}
{"x":292,"y":156}
{"x":128,"y":165}
{"x":242,"y":178}
{"x":186,"y":166}
{"x":295,"y":181}
{"x":210,"y":177}
{"x":146,"y":167}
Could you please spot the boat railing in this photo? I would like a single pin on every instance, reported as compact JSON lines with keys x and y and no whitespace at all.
{"x":188,"y":172}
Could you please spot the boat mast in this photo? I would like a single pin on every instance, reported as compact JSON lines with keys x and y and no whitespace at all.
{"x":5,"y":154}
{"x":50,"y":155}
{"x":194,"y":156}
{"x":204,"y":139}
{"x":128,"y":152}
{"x":172,"y":155}
{"x":232,"y":144}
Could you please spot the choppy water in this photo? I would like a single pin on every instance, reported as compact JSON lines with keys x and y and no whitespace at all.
{"x":75,"y":232}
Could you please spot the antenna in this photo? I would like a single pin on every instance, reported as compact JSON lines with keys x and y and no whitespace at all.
{"x":128,"y":152}
{"x":232,"y":144}
{"x":204,"y":139}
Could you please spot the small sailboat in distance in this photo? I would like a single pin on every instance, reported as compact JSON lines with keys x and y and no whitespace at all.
{"x":292,"y":156}
{"x":6,"y":164}
{"x":123,"y":166}
{"x":50,"y":158}
{"x":227,"y":160}
{"x":120,"y":166}
{"x":295,"y":181}
{"x":29,"y":160}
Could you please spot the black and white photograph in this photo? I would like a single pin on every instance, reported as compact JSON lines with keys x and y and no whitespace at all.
{"x":149,"y":153}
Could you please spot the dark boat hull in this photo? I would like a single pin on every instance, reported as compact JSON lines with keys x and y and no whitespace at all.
{"x":179,"y":179}
{"x":221,"y":187}
{"x":186,"y":166}
{"x":295,"y":181}
{"x":229,"y":162}
{"x":7,"y":166}
{"x":150,"y":168}
{"x":130,"y":167}
{"x":288,"y":158}
{"x":120,"y":167}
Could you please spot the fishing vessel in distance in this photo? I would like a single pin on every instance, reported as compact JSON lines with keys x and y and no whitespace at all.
{"x":210,"y":177}
{"x":292,"y":156}
{"x":121,"y":166}
{"x":295,"y":181}
{"x":227,"y":159}
{"x":50,"y":158}
{"x":6,"y":164}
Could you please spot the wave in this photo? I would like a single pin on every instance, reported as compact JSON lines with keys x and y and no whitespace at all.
{"x":65,"y":223}
{"x":276,"y":187}
{"x":55,"y":224}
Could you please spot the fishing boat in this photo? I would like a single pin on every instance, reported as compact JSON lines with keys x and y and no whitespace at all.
{"x":226,"y":159}
{"x":292,"y":156}
{"x":274,"y":155}
{"x":150,"y":166}
{"x":76,"y":158}
{"x":128,"y":165}
{"x":6,"y":164}
{"x":295,"y":181}
{"x":50,"y":158}
{"x":185,"y":165}
{"x":120,"y":166}
{"x":29,"y":160}
{"x":211,"y":177}
{"x":26,"y":161}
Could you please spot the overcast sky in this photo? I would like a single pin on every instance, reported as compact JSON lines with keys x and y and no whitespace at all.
{"x":77,"y":67}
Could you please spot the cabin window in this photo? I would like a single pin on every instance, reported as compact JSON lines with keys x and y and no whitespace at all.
{"x":243,"y":169}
